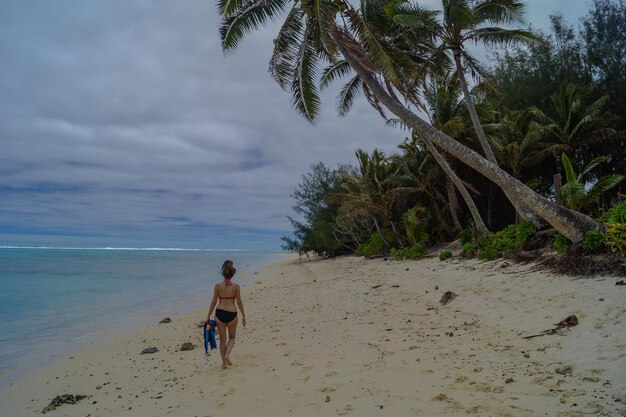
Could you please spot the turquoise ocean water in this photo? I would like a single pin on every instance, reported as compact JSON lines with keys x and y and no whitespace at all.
{"x":56,"y":301}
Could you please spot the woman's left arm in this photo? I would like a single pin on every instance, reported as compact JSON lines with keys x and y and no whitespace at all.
{"x":240,"y":304}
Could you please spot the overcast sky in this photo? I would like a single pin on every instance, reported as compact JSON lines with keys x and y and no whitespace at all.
{"x":122,"y":123}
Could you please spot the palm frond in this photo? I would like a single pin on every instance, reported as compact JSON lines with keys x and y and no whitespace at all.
{"x":227,"y":7}
{"x":387,"y":58}
{"x":603,"y":185}
{"x":415,"y":17}
{"x":457,"y":14}
{"x":396,"y":123}
{"x":500,"y":36}
{"x":286,"y":46}
{"x":304,"y":90}
{"x":477,"y":70}
{"x":323,"y":16}
{"x":569,"y":169}
{"x":597,"y":105}
{"x":573,"y":195}
{"x":249,"y":16}
{"x":591,"y":165}
{"x":334,"y":72}
{"x":500,"y":11}
{"x":347,"y":95}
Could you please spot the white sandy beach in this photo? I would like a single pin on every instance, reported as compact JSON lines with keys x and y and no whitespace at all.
{"x":366,"y":338}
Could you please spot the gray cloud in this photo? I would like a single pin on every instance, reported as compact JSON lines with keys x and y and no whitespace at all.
{"x":123,"y":124}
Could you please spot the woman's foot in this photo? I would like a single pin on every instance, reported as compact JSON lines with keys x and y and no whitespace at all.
{"x":224,"y":366}
{"x":228,"y":362}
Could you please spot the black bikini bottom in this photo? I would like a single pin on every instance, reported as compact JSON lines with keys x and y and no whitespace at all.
{"x":225,"y":316}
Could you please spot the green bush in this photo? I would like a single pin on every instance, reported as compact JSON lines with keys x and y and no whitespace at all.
{"x":561,"y":244}
{"x":616,"y":229}
{"x":414,"y":252}
{"x":487,"y":254}
{"x":523,"y":231}
{"x":617,"y":213}
{"x":595,"y":241}
{"x":466,"y":236}
{"x":508,"y":239}
{"x":445,"y":255}
{"x":374,"y":247}
{"x":468,"y":250}
{"x":616,"y":238}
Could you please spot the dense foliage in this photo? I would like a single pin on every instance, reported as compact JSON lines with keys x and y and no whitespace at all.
{"x":316,"y":231}
{"x":535,"y":143}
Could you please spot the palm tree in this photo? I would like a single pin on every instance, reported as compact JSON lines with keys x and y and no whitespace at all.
{"x":442,"y":104}
{"x":572,"y":126}
{"x":417,"y":165}
{"x":516,"y":139}
{"x":572,"y":225}
{"x":474,"y":22}
{"x":576,"y":194}
{"x":317,"y":30}
{"x":376,"y":191}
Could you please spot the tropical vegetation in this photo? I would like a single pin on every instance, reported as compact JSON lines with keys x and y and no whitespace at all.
{"x":529,"y":143}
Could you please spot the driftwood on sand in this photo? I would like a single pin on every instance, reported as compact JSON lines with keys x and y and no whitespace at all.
{"x":566,"y":323}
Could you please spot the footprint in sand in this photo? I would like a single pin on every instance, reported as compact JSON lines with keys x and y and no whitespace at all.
{"x":344,"y":410}
{"x":453,"y":404}
{"x":483,"y":387}
{"x":333,"y":373}
{"x":229,"y":392}
{"x":477,"y":409}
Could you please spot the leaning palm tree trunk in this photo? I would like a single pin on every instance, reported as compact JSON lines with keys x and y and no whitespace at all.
{"x":454,"y":204}
{"x":571,"y":224}
{"x":478,"y":221}
{"x":520,"y":208}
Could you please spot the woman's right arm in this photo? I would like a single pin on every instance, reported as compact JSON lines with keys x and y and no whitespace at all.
{"x":213,"y":303}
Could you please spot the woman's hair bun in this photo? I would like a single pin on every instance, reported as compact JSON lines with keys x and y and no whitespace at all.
{"x":228,"y":270}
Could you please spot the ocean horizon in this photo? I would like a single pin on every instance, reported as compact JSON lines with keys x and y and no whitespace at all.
{"x":57,"y":300}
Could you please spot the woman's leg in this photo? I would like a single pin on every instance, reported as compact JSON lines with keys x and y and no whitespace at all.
{"x":221,"y":327}
{"x":232,"y":333}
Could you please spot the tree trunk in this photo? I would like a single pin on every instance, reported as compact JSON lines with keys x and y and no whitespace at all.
{"x":571,"y":224}
{"x":453,"y":202}
{"x":482,"y":138}
{"x":478,"y":221}
{"x":490,"y":207}
{"x":480,"y":133}
{"x":394,"y":228}
{"x":557,"y":187}
{"x":380,"y":232}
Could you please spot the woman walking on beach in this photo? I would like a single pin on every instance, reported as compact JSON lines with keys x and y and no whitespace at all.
{"x":226,"y":293}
